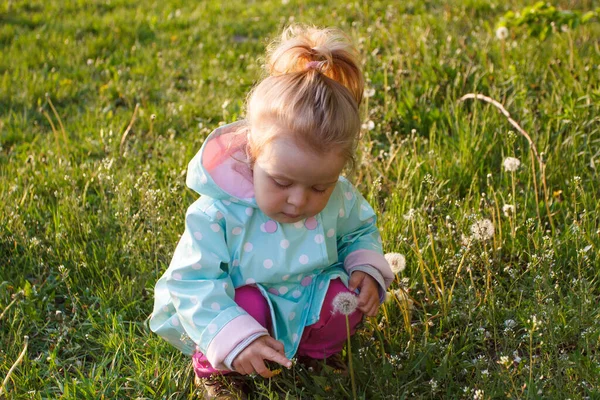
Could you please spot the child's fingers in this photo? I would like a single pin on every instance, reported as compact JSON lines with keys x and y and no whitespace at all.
{"x":274,"y":355}
{"x":260,"y":368}
{"x":275,"y":344}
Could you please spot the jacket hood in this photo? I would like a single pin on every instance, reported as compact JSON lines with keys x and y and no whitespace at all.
{"x":219,"y":170}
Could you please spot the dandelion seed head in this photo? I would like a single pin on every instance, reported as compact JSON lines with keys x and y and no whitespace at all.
{"x":508,"y":210}
{"x":345,"y":303}
{"x":397,"y":262}
{"x":502,"y":33}
{"x":511,"y":164}
{"x":482,"y":230}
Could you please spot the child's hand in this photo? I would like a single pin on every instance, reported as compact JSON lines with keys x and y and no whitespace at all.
{"x":252,"y":358}
{"x":368,"y":299}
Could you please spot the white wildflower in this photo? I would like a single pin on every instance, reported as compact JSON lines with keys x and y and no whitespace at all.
{"x":369,"y":125}
{"x":410,"y":215}
{"x":345,"y":303}
{"x":478,"y":395}
{"x":510,"y":323}
{"x":511,"y":164}
{"x":397,"y":262}
{"x":482,"y":230}
{"x":369,"y":92}
{"x":502,"y":33}
{"x":508,"y":210}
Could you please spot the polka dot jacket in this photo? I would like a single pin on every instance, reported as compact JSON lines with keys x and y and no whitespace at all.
{"x":228,"y":242}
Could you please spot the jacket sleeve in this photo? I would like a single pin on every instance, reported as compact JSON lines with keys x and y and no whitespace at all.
{"x":194,"y":307}
{"x":359,"y":241}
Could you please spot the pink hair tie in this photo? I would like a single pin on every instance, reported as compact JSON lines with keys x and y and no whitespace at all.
{"x":313,"y":65}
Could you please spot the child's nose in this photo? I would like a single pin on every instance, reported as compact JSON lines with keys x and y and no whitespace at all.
{"x":298,"y":198}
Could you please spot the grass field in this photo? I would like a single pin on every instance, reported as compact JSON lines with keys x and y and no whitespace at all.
{"x":103,"y":103}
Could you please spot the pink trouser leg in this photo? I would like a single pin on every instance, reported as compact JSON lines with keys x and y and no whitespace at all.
{"x":328,"y":335}
{"x":322,"y":339}
{"x":251,"y":300}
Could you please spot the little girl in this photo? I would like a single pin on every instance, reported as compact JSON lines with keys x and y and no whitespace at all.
{"x":276,"y":233}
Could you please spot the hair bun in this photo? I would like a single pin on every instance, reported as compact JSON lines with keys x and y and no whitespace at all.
{"x":304,"y":49}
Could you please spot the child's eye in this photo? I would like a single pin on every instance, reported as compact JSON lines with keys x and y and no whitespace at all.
{"x":282,"y":184}
{"x":319,"y":190}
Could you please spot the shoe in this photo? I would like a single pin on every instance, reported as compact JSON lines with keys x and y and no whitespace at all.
{"x":335,"y":361}
{"x":223,"y":387}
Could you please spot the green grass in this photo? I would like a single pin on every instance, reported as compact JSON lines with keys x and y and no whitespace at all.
{"x":87,"y":225}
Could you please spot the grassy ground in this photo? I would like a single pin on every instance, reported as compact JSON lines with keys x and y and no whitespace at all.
{"x":89,"y":215}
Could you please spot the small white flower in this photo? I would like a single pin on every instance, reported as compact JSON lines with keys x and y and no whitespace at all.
{"x":345,"y":303}
{"x":397,"y":262}
{"x":502,"y":33}
{"x":370,"y":92}
{"x":510,"y":323}
{"x":478,"y":395}
{"x":482,"y":230}
{"x":403,"y":298}
{"x":369,"y":125}
{"x":511,"y":164}
{"x":508,"y":210}
{"x":410,"y":215}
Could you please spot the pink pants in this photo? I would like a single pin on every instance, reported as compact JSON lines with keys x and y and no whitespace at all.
{"x":322,"y":339}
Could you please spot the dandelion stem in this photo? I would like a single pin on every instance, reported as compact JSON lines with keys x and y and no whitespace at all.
{"x":124,"y":137}
{"x":350,"y":359}
{"x":14,"y":366}
{"x":421,"y":262}
{"x":62,"y":127}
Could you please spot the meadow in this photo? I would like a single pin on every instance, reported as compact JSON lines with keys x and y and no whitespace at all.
{"x":104,"y":102}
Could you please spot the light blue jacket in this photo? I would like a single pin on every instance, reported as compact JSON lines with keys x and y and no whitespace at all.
{"x":229,"y":242}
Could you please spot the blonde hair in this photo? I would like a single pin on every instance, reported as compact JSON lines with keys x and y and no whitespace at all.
{"x":313,"y":92}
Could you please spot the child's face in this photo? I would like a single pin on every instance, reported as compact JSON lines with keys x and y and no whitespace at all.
{"x":292,"y":183}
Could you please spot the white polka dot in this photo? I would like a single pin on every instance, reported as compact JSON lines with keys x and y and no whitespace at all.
{"x":268,"y":264}
{"x":262,"y":228}
{"x":226,"y":202}
{"x":292,"y":315}
{"x":233,"y":200}
{"x":215,"y":227}
{"x":225,"y":285}
{"x":174,"y":320}
{"x":299,"y":224}
{"x":348,"y":195}
{"x":285,"y":243}
{"x":295,"y":337}
{"x":303,"y":259}
{"x":285,"y":277}
{"x":364,"y":207}
{"x":196,"y":266}
{"x":198,"y":235}
{"x":283,"y":290}
{"x":371,"y":220}
{"x":319,"y":239}
{"x":296,"y":294}
{"x":330,"y":232}
{"x":177,"y":276}
{"x":212,"y":328}
{"x":165,"y":308}
{"x":237,"y":230}
{"x":250,"y":281}
{"x":215,"y":306}
{"x":219,"y":215}
{"x":249,"y":211}
{"x":321,"y":285}
{"x":341,"y":213}
{"x":248,"y":246}
{"x":194,"y":300}
{"x":203,"y":179}
{"x":235,"y":263}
